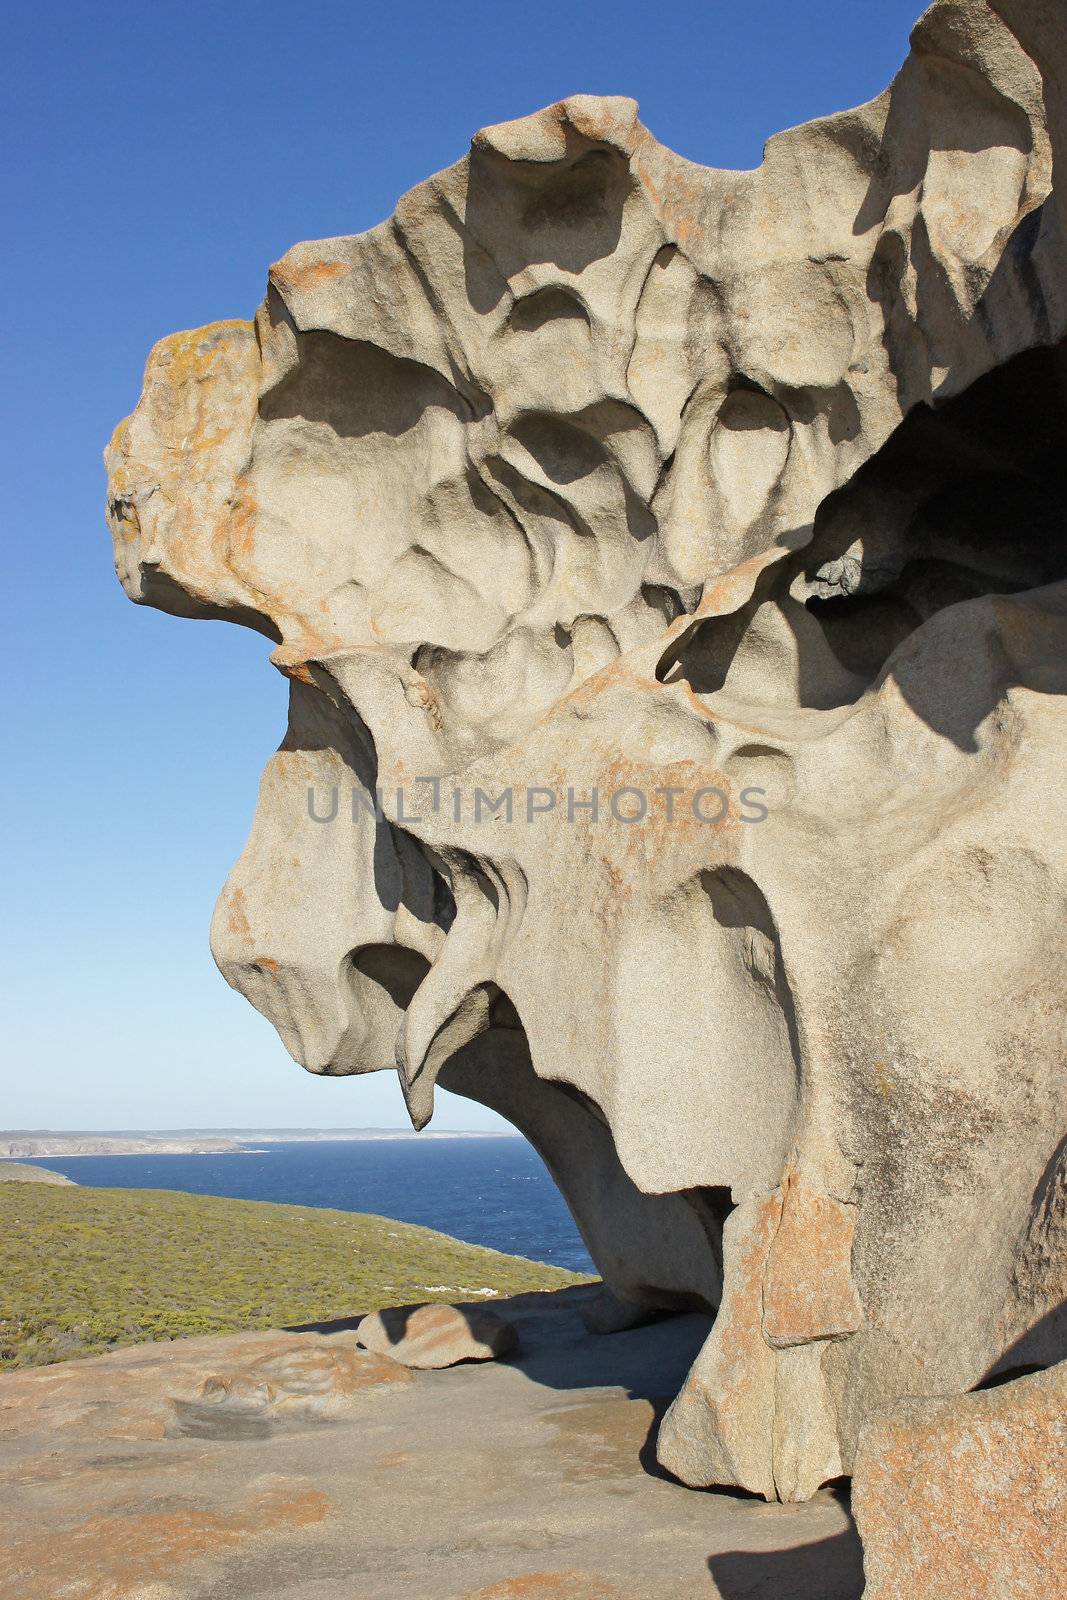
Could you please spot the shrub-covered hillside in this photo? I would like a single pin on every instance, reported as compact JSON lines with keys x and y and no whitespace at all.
{"x":83,"y":1270}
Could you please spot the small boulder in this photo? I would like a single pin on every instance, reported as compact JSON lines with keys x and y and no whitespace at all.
{"x":437,"y":1335}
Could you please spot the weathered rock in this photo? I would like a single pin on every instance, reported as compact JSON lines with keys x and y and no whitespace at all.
{"x":293,"y":1381}
{"x":566,"y":1585}
{"x":126,"y":1555}
{"x":967,"y":1496}
{"x":437,"y":1335}
{"x":669,"y":569}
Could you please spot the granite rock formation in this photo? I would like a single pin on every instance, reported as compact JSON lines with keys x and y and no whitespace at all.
{"x":668,"y":568}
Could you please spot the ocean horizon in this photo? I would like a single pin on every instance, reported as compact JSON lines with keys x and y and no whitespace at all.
{"x":485,"y":1188}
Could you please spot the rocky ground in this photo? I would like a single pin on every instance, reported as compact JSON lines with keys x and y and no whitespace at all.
{"x":295,"y":1464}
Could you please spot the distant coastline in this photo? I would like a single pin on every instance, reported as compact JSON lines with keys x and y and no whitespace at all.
{"x":27,"y":1143}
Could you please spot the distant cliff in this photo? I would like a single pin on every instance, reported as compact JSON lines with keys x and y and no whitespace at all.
{"x":33,"y":1144}
{"x":112,"y":1144}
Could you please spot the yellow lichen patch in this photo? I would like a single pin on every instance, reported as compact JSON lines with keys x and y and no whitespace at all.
{"x":194,"y":351}
{"x":117,"y":444}
{"x":180,"y":499}
{"x":201,"y":385}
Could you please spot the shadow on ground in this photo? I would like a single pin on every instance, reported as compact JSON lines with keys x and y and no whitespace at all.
{"x":828,"y":1569}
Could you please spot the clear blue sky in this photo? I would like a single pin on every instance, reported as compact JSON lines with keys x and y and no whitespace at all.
{"x":158,"y":156}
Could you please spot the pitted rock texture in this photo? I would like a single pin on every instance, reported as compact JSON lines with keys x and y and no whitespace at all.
{"x":668,"y":565}
{"x":430,"y":1336}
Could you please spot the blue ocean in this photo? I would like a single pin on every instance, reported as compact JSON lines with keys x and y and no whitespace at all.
{"x":489,"y":1191}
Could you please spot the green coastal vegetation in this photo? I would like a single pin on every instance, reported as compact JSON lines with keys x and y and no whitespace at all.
{"x":84,"y":1270}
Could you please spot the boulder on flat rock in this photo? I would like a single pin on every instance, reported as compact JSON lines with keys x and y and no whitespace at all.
{"x":437,"y":1335}
{"x":967,"y":1496}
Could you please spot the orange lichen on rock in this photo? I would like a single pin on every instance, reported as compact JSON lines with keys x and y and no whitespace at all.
{"x":967,"y":1496}
{"x":568,"y":1585}
{"x":295,"y":274}
{"x":808,"y":1292}
{"x":118,"y":1554}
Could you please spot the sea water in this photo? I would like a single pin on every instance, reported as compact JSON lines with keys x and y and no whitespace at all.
{"x":489,"y":1191}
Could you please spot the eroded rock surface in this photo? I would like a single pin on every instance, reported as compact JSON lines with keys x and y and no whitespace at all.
{"x":241,"y":1385}
{"x":735,"y":501}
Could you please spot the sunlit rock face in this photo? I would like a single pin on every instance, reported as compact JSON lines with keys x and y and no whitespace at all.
{"x":735,"y":501}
